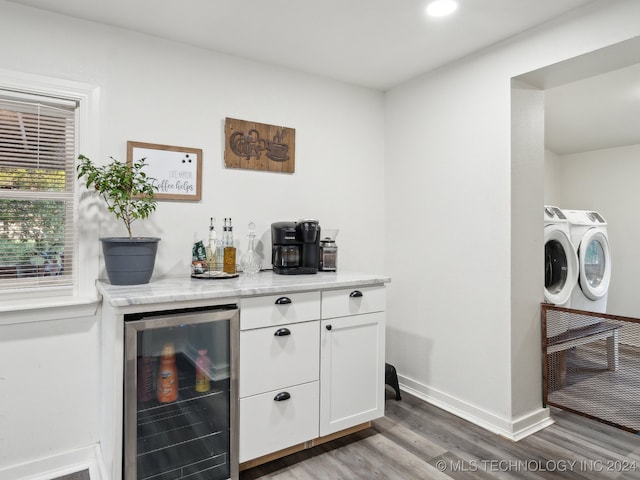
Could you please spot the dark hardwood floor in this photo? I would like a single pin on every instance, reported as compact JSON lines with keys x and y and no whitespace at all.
{"x":416,"y":440}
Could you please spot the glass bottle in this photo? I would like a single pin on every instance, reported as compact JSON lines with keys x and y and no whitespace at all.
{"x":251,"y":262}
{"x":167,"y":375}
{"x":211,"y":247}
{"x":219,"y":254}
{"x":203,"y":383}
{"x":229,"y":251}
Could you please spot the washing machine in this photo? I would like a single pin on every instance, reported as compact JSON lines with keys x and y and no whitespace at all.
{"x":589,"y":235}
{"x":560,"y":258}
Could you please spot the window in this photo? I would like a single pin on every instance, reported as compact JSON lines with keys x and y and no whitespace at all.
{"x":37,"y":154}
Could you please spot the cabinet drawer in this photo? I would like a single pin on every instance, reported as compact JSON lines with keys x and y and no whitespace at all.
{"x":272,"y":310}
{"x":275,"y":357}
{"x":267,"y":425}
{"x":352,"y":301}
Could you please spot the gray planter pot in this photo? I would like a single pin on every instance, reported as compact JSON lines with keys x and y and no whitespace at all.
{"x":129,"y":261}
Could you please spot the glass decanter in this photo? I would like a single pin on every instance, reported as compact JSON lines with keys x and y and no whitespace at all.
{"x":250,"y":262}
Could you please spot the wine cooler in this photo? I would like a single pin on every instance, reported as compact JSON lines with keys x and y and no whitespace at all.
{"x":180,"y":394}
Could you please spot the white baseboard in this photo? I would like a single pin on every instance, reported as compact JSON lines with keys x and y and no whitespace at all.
{"x":88,"y":458}
{"x":514,"y":429}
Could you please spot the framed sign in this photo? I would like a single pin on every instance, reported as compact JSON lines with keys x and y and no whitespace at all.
{"x":258,"y":146}
{"x":177,"y":170}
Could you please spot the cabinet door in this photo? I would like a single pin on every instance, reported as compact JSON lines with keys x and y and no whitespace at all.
{"x":351,"y":371}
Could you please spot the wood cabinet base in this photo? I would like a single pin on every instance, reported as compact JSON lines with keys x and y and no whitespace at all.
{"x":302,"y":446}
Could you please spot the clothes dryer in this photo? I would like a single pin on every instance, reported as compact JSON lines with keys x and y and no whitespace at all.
{"x":589,"y":235}
{"x":560,"y":258}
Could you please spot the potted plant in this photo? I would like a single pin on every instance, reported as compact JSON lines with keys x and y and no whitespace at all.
{"x":130,"y":195}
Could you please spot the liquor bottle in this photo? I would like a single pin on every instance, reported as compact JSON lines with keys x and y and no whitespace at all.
{"x":229,"y":251}
{"x":167,"y":375}
{"x":203,"y":383}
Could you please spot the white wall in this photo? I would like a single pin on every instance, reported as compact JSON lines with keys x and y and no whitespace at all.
{"x":527,"y":153}
{"x":456,"y":333}
{"x":167,"y":93}
{"x":606,"y":181}
{"x":49,"y":386}
{"x":553,"y":183}
{"x":162,"y":92}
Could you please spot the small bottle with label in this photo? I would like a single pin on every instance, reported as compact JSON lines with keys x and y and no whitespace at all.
{"x":229,"y":251}
{"x":167,"y":375}
{"x":203,"y":381}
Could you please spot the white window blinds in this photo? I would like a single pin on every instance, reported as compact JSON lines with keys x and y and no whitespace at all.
{"x":37,"y":158}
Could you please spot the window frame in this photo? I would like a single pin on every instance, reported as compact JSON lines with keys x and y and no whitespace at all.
{"x":86,"y":244}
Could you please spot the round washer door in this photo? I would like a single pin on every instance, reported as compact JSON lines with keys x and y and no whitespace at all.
{"x":595,"y":264}
{"x":560,"y":265}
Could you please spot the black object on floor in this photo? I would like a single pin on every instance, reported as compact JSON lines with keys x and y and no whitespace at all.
{"x":391,"y":379}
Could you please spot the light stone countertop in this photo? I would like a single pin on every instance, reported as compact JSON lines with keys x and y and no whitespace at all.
{"x":177,"y":289}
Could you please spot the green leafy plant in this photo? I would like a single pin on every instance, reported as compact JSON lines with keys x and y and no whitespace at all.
{"x":127,"y":190}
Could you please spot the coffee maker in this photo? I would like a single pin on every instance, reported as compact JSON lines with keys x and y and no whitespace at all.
{"x":295,"y":247}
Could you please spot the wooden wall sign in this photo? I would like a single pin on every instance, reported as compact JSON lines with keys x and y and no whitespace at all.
{"x":177,"y":170}
{"x":258,"y":146}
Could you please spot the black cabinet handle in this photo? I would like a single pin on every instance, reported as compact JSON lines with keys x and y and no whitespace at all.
{"x":328,"y":327}
{"x":355,"y":294}
{"x":283,"y":301}
{"x":282,"y":396}
{"x":282,"y":332}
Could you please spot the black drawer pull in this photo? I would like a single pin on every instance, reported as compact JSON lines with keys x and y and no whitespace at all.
{"x":355,"y":294}
{"x":282,"y":396}
{"x":328,"y":327}
{"x":283,"y":301}
{"x":282,"y":332}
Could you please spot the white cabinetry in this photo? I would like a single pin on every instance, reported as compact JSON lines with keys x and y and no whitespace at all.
{"x":269,"y":364}
{"x":351,"y":358}
{"x":306,"y":375}
{"x":279,"y":372}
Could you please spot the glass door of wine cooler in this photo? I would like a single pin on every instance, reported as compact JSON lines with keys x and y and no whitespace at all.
{"x":180,"y":395}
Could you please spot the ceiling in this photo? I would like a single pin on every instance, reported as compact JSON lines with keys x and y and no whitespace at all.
{"x":598,"y":112}
{"x":376,"y":44}
{"x":373,"y":43}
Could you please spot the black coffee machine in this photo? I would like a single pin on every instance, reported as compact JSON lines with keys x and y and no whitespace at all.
{"x":295,"y":247}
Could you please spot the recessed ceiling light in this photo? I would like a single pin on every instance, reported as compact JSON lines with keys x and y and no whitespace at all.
{"x":441,"y":8}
